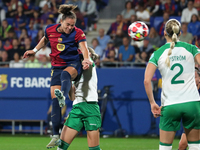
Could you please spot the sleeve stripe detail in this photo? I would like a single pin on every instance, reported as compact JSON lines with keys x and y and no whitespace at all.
{"x":196,"y":54}
{"x":153,"y":63}
{"x":82,"y":40}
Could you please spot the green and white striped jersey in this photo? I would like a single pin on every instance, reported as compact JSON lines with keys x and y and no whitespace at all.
{"x":178,"y":80}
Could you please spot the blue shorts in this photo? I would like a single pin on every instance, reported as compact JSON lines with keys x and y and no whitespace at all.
{"x":56,"y":72}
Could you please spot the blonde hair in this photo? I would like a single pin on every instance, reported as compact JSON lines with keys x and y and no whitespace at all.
{"x":94,"y":56}
{"x":67,"y":11}
{"x":172,"y":29}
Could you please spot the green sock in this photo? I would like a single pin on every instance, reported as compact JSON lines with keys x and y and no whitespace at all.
{"x":64,"y":145}
{"x":95,"y":148}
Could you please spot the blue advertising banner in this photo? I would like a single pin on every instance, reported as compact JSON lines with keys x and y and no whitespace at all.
{"x":25,"y":94}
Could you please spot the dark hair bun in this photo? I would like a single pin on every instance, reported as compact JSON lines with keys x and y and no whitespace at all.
{"x":66,"y":9}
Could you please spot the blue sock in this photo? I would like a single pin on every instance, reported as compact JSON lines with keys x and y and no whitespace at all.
{"x":65,"y":82}
{"x":55,"y":116}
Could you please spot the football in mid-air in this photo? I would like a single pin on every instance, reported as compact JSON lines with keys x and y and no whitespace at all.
{"x":138,"y":31}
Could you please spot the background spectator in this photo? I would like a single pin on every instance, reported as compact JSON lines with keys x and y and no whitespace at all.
{"x":4,"y":29}
{"x":1,"y":48}
{"x":44,"y":52}
{"x":142,"y":14}
{"x":169,"y":7}
{"x":32,"y":62}
{"x":4,"y":59}
{"x":185,"y":35}
{"x":103,"y":39}
{"x":46,"y":13}
{"x":23,"y":36}
{"x":188,"y":12}
{"x":127,"y":12}
{"x":194,"y":26}
{"x":197,"y":5}
{"x":35,"y":21}
{"x":7,"y":46}
{"x":118,"y":24}
{"x":15,"y":49}
{"x":88,"y":9}
{"x":181,"y":5}
{"x":118,"y":38}
{"x":154,"y":38}
{"x":28,"y":8}
{"x":153,"y":8}
{"x":110,"y":46}
{"x":97,"y":48}
{"x":110,"y":58}
{"x":20,"y":20}
{"x":126,"y":51}
{"x":45,"y":63}
{"x":16,"y":63}
{"x":133,"y":19}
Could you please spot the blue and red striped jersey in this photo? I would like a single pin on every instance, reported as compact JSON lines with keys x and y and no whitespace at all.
{"x":64,"y":47}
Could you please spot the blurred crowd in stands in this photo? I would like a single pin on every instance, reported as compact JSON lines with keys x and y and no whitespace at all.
{"x":23,"y":23}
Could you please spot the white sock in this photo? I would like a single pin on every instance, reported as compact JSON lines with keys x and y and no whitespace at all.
{"x":163,"y":147}
{"x":194,"y":146}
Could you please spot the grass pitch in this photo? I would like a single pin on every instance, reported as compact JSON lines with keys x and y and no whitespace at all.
{"x":35,"y":142}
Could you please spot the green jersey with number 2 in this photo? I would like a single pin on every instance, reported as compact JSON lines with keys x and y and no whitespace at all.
{"x":178,"y":80}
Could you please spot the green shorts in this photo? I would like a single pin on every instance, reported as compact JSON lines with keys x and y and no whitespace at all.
{"x":172,"y":115}
{"x":85,"y":114}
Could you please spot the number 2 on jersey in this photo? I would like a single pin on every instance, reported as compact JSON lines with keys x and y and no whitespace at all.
{"x":174,"y":81}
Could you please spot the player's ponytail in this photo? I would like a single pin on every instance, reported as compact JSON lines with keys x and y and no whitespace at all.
{"x":172,"y":29}
{"x":67,"y":11}
{"x":94,"y":56}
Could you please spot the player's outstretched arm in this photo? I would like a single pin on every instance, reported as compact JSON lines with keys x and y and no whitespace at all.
{"x":197,"y":58}
{"x":149,"y":72}
{"x":84,"y":49}
{"x":40,"y":45}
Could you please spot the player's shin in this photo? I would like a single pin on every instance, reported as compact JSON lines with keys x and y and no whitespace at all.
{"x":56,"y":116}
{"x":65,"y":82}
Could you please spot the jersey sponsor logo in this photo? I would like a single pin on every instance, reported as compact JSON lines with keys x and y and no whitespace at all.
{"x":52,"y":35}
{"x":83,"y":35}
{"x":60,"y":47}
{"x":92,"y":124}
{"x":3,"y":82}
{"x":59,"y":40}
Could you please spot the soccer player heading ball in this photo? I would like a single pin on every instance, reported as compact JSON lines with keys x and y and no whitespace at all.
{"x":66,"y":63}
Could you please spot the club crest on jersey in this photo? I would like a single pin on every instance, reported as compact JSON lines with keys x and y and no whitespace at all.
{"x":59,"y":40}
{"x":3,"y":82}
{"x":83,"y":35}
{"x":60,"y":47}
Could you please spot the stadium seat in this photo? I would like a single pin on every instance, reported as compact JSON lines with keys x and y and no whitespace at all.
{"x":86,"y":21}
{"x":33,"y":33}
{"x":18,"y":33}
{"x":10,"y":21}
{"x":157,"y":22}
{"x":176,"y":17}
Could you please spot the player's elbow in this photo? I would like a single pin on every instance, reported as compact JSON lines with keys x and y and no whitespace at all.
{"x":147,"y":82}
